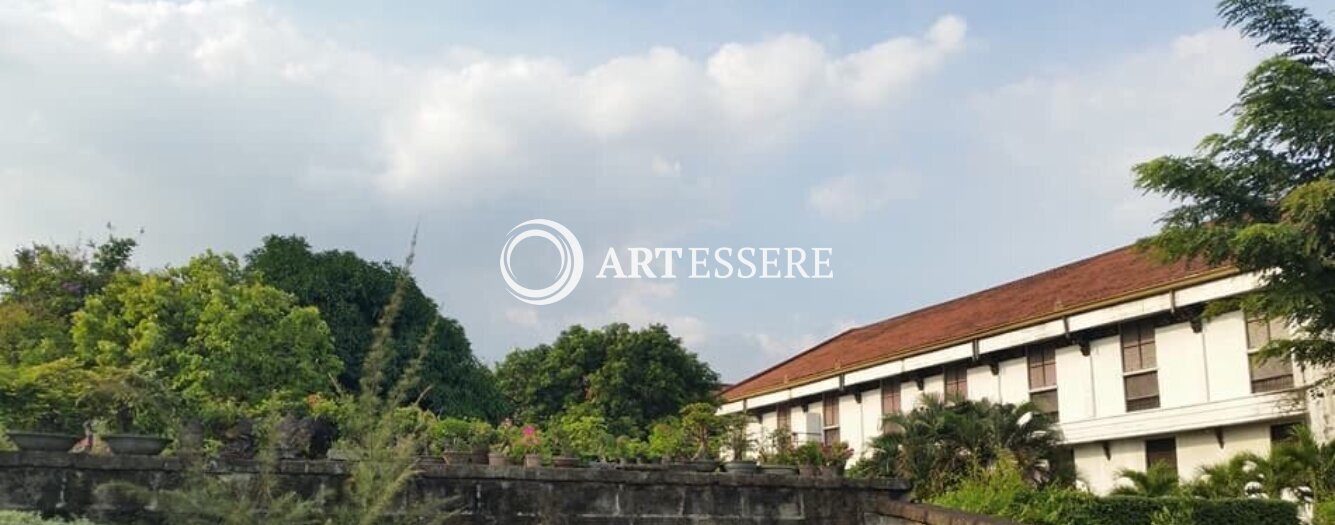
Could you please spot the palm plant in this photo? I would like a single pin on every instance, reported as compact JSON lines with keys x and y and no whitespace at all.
{"x":1304,"y":465}
{"x":941,"y":441}
{"x":1158,"y":481}
{"x":1235,"y":478}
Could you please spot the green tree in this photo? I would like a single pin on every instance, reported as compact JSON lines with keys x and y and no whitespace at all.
{"x":1158,"y":481}
{"x":1262,"y":196}
{"x":629,"y":377}
{"x":351,"y":293}
{"x":941,"y":442}
{"x":43,"y":288}
{"x":216,"y":336}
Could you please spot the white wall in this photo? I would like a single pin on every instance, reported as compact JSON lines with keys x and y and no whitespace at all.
{"x":1014,"y":378}
{"x":1099,"y":471}
{"x":1181,"y":362}
{"x":1226,"y":356}
{"x":1075,"y":396}
{"x":871,"y":421}
{"x":1106,"y":360}
{"x":982,"y":384}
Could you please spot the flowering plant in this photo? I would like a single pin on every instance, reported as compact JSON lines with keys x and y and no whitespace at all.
{"x":527,"y":441}
{"x":835,"y":454}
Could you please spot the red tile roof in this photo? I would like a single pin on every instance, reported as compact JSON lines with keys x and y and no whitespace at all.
{"x":1116,"y":274}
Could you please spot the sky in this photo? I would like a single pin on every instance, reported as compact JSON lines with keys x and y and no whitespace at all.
{"x":938,"y":148}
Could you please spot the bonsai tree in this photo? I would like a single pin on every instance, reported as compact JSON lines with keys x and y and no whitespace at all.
{"x":702,"y":426}
{"x":584,"y":436}
{"x":452,"y":434}
{"x":809,"y":454}
{"x":738,"y":435}
{"x":480,"y":435}
{"x":45,"y":397}
{"x":835,"y":454}
{"x":501,"y":438}
{"x":667,"y":440}
{"x":777,"y":448}
{"x":132,"y":401}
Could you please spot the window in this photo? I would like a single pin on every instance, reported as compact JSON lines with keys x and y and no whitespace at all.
{"x":785,"y":416}
{"x":1268,"y":375}
{"x":1282,"y":432}
{"x":1139,"y":366}
{"x":890,"y":403}
{"x":1043,"y":379}
{"x":957,"y":382}
{"x":830,"y":418}
{"x":1161,"y":451}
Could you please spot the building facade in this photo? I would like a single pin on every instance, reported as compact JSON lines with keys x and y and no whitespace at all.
{"x":1115,"y":346}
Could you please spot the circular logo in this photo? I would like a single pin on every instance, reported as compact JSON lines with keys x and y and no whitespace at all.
{"x":572,"y":261}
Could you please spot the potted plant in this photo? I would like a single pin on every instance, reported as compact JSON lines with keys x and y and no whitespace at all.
{"x":499,"y":449}
{"x":528,"y":445}
{"x":453,"y":438}
{"x":809,"y":458}
{"x":667,"y":444}
{"x":582,"y":437}
{"x":480,"y":439}
{"x":700,"y":423}
{"x":138,"y":411}
{"x":777,"y":455}
{"x":833,"y":459}
{"x":40,"y":405}
{"x":739,"y":442}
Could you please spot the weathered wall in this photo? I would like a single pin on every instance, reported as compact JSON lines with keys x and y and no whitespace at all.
{"x":65,"y":483}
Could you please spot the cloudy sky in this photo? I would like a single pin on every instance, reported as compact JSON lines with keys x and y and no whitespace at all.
{"x":936,"y":147}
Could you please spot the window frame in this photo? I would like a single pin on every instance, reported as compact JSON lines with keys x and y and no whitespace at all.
{"x":892,"y":393}
{"x":960,"y":384}
{"x":1170,"y":455}
{"x":1144,"y":336}
{"x":1270,"y":383}
{"x":829,"y":413}
{"x":1047,"y":362}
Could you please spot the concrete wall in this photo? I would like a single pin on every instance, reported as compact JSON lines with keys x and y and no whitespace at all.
{"x":65,"y":484}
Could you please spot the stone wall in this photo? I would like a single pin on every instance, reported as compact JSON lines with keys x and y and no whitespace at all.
{"x":66,"y":483}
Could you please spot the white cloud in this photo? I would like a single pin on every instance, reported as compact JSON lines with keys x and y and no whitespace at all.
{"x":524,"y":317}
{"x":781,"y":347}
{"x":850,"y":197}
{"x":1083,"y":129}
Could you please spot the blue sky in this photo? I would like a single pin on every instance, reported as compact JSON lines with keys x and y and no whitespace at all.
{"x":937,"y":147}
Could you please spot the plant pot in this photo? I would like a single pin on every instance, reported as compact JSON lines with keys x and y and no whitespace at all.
{"x":565,"y":461}
{"x":831,"y":472}
{"x":43,"y":441}
{"x":778,"y":470}
{"x":458,"y":457}
{"x":480,"y":456}
{"x":135,"y":444}
{"x":497,"y":459}
{"x":532,"y":460}
{"x":703,"y":465}
{"x":807,"y":471}
{"x":429,"y":460}
{"x":740,"y":467}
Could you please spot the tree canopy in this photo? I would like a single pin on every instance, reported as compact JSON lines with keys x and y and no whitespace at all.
{"x":351,"y":293}
{"x":217,"y":336}
{"x":1262,"y":196}
{"x":628,"y":377}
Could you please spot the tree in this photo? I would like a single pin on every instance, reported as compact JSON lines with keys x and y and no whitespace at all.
{"x":351,"y":293}
{"x":941,"y":442}
{"x":1262,"y":196}
{"x":221,"y":339}
{"x":1158,"y":481}
{"x":43,"y":288}
{"x":629,"y":377}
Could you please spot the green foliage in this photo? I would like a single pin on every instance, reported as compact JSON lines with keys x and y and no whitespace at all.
{"x":1323,"y":513}
{"x":809,"y":453}
{"x":939,"y":442}
{"x":702,"y":428}
{"x":1299,"y":466}
{"x":582,"y":435}
{"x":737,"y":435}
{"x":1002,"y":491}
{"x":629,"y":377}
{"x":44,"y":397}
{"x":13,"y":517}
{"x":350,"y":293}
{"x":452,"y":434}
{"x":1160,"y":480}
{"x":1262,"y":196}
{"x":129,"y":400}
{"x":224,"y":341}
{"x":776,"y":448}
{"x":42,"y":290}
{"x":667,"y":440}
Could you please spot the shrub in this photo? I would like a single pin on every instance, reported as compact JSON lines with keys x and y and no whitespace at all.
{"x":1323,"y":513}
{"x":10,"y":517}
{"x":1133,"y":510}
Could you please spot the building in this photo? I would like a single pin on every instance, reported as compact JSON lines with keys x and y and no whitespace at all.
{"x":1114,"y":345}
